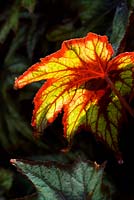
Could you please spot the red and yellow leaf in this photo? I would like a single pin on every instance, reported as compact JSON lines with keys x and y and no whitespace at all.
{"x":84,"y":82}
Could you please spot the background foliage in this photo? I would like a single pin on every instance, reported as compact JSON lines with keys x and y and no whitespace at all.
{"x":29,"y":30}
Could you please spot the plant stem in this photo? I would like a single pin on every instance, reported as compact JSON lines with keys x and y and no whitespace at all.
{"x":122,"y":100}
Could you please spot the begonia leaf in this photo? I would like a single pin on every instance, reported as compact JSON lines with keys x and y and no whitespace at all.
{"x":30,"y":4}
{"x":80,"y":180}
{"x":120,"y":23}
{"x":84,"y":82}
{"x":11,"y":22}
{"x":6,"y":179}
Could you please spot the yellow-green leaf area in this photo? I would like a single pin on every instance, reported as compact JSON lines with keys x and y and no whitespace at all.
{"x":64,"y":62}
{"x":76,"y":113}
{"x":51,"y":100}
{"x":125,"y":85}
{"x":114,"y":110}
{"x":92,"y":115}
{"x":101,"y":126}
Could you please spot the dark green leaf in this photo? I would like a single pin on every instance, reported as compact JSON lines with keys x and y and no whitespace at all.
{"x":15,"y":130}
{"x":89,"y":9}
{"x":131,"y":3}
{"x":120,"y":22}
{"x":60,"y":32}
{"x":11,"y":22}
{"x":29,"y":4}
{"x":81,"y":180}
{"x":6,"y":179}
{"x":17,"y":41}
{"x":91,"y":16}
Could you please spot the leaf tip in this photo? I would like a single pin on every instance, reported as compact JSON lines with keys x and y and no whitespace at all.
{"x":13,"y":161}
{"x":119,"y":158}
{"x":16,"y":85}
{"x":97,"y":166}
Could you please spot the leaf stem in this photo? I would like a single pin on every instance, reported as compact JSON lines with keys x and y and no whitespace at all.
{"x":122,"y":100}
